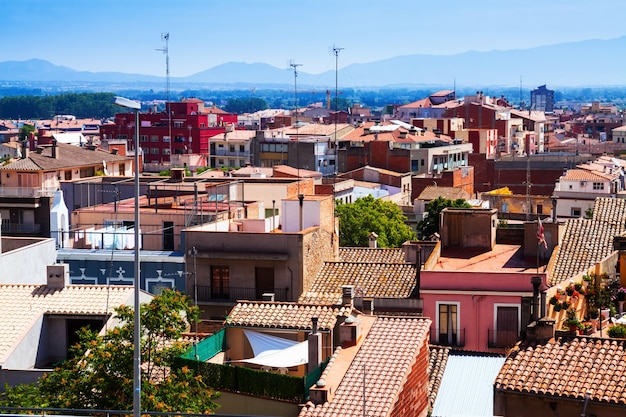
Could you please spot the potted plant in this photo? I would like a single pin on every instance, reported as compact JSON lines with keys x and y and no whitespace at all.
{"x":617,"y":331}
{"x":572,"y":321}
{"x":621,"y":294}
{"x":569,"y":290}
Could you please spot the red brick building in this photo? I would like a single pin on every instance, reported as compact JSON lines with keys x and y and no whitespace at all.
{"x":187,"y":130}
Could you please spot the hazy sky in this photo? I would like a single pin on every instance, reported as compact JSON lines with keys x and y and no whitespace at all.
{"x":124,"y":35}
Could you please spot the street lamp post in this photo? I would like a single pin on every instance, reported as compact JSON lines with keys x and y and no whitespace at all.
{"x":136,"y":107}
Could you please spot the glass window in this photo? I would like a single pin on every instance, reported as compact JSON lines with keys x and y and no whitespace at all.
{"x":448,"y":324}
{"x":220,"y":281}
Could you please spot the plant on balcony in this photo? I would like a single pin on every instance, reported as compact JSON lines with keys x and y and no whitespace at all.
{"x":621,"y":294}
{"x":617,"y":331}
{"x":572,"y":321}
{"x":554,"y":300}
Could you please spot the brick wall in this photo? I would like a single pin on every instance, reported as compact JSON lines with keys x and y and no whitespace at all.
{"x":413,"y":397}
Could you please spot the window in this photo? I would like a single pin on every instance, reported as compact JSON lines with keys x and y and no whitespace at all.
{"x":231,"y":148}
{"x":154,"y":151}
{"x":179,"y":139}
{"x":539,"y":208}
{"x":166,"y":151}
{"x":179,"y":123}
{"x":143,"y":138}
{"x":448,"y":324}
{"x":242,"y":148}
{"x":507,"y":324}
{"x":166,"y":139}
{"x":220,"y":282}
{"x":598,"y":186}
{"x":576,"y":211}
{"x":125,"y":137}
{"x":154,"y":138}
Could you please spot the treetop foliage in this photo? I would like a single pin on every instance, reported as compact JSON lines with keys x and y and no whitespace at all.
{"x":430,"y":224}
{"x":367,"y":214}
{"x":99,"y":371}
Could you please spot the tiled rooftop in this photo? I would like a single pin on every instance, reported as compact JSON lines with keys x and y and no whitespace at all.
{"x":370,"y":279}
{"x":586,"y":242}
{"x":21,"y":305}
{"x":376,"y":255}
{"x":283,"y":315}
{"x":378,"y":370}
{"x":436,"y":367}
{"x":67,"y":156}
{"x":451,"y":193}
{"x":568,"y":368}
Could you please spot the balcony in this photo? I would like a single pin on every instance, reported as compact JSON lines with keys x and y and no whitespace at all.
{"x":20,"y":228}
{"x":502,"y":338}
{"x":232,"y":294}
{"x":447,"y":338}
{"x":26,"y":192}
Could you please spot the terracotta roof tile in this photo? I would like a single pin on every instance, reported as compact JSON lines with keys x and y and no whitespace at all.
{"x":68,"y":156}
{"x":377,"y":255}
{"x":384,"y":280}
{"x":567,"y":368}
{"x":436,"y":367}
{"x":451,"y":193}
{"x":282,"y":315}
{"x":21,"y":305}
{"x":586,"y":242}
{"x":385,"y":358}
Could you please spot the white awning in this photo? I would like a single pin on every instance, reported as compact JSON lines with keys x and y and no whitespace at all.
{"x":276,"y":352}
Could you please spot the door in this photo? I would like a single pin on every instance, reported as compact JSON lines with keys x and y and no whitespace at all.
{"x":264,"y":281}
{"x":168,"y":235}
{"x":507,"y":328}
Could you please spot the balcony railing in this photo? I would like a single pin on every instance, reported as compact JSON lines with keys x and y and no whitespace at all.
{"x":502,"y":338}
{"x":20,"y":228}
{"x":207,"y":294}
{"x":447,"y":338}
{"x":26,"y":192}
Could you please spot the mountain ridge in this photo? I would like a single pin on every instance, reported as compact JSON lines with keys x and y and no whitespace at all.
{"x":589,"y":62}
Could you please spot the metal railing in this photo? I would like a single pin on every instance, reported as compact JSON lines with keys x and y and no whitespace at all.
{"x":502,"y":338}
{"x":207,"y":294}
{"x":26,"y":192}
{"x":447,"y":338}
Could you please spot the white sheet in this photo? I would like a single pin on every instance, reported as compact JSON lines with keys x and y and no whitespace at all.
{"x":275,"y":351}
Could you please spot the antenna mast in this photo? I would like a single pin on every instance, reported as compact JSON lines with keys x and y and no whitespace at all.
{"x":165,"y":37}
{"x":295,"y":89}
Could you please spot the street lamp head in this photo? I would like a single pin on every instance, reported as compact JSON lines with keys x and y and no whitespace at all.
{"x":129,"y":104}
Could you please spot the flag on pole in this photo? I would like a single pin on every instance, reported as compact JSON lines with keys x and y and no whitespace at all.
{"x":541,"y":238}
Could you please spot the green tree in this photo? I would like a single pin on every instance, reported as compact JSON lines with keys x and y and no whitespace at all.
{"x":25,"y":131}
{"x":99,"y":372}
{"x":357,"y":220}
{"x":430,"y":224}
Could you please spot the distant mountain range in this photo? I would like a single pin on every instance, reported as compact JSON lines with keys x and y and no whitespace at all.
{"x":587,"y":63}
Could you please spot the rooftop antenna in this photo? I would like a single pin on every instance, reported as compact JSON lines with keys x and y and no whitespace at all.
{"x":336,"y":51}
{"x":295,"y":66}
{"x":165,"y":37}
{"x":521,"y":100}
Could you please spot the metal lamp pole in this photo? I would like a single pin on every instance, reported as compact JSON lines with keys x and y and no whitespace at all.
{"x":136,"y":107}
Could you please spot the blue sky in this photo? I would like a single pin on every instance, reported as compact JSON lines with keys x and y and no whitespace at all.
{"x":124,"y":35}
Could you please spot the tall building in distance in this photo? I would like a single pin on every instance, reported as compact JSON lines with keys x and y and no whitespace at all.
{"x":542,"y":99}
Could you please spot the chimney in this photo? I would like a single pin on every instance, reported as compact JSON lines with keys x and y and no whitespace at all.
{"x":58,"y":276}
{"x":368,"y":305}
{"x":55,"y":153}
{"x":541,"y":330}
{"x":347,"y":295}
{"x":536,"y":282}
{"x":315,"y":347}
{"x":372,"y":239}
{"x":25,"y":149}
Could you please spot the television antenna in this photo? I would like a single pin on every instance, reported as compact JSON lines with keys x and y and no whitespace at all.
{"x":165,"y":37}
